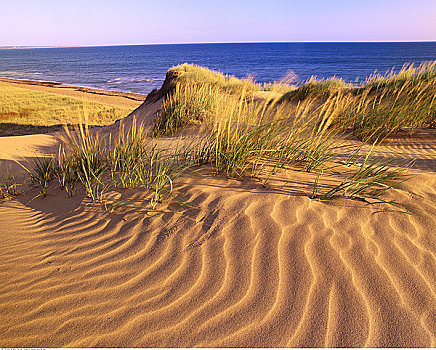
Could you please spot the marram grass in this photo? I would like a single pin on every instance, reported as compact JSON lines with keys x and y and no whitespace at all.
{"x":250,"y":133}
{"x":252,"y":136}
{"x":377,"y":108}
{"x":102,"y":164}
{"x":386,"y":104}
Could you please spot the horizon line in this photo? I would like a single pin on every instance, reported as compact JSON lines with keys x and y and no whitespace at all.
{"x":215,"y":42}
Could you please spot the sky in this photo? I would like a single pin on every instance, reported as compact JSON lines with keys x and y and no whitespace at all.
{"x":124,"y":22}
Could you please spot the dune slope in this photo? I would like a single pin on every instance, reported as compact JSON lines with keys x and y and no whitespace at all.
{"x":242,"y":266}
{"x":246,"y":266}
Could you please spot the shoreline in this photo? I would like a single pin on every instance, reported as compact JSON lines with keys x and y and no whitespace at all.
{"x":53,"y":84}
{"x":220,"y":42}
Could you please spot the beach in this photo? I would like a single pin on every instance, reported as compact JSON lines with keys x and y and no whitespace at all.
{"x":242,"y":265}
{"x":114,"y":98}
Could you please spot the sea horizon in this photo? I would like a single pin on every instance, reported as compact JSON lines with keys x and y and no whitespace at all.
{"x":140,"y":68}
{"x":215,"y":42}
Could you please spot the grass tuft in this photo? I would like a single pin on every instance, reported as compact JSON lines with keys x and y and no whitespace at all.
{"x":42,"y":173}
{"x":9,"y":187}
{"x":369,"y":180}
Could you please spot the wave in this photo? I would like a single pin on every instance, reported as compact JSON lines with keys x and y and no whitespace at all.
{"x":21,"y":73}
{"x":133,"y":80}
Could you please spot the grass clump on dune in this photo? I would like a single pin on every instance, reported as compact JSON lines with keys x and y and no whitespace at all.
{"x":42,"y":172}
{"x":386,"y":104}
{"x":367,"y":179}
{"x":197,"y":95}
{"x":257,"y":137}
{"x":316,"y":88}
{"x":189,"y":73}
{"x":377,"y":108}
{"x":136,"y":162}
{"x":260,"y":138}
{"x":8,"y":187}
{"x":101,"y":165}
{"x":89,"y":155}
{"x":190,"y":102}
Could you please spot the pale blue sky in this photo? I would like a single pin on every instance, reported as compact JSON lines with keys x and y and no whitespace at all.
{"x":106,"y":22}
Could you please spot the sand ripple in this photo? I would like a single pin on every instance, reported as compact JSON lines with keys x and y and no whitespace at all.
{"x":245,"y":267}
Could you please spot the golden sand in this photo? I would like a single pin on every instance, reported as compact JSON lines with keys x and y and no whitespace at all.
{"x":245,"y":267}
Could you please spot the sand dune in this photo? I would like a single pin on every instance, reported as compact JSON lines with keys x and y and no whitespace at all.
{"x":419,"y":147}
{"x":247,"y":267}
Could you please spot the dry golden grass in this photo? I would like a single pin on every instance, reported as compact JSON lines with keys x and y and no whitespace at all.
{"x":21,"y":106}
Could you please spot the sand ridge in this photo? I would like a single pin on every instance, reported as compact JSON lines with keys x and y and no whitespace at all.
{"x":244,"y":266}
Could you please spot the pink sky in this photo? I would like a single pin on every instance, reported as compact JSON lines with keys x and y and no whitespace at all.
{"x":107,"y":22}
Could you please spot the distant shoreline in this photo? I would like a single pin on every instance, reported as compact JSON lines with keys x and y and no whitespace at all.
{"x":29,"y":47}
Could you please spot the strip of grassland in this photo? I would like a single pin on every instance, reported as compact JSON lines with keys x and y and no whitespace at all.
{"x":27,"y":107}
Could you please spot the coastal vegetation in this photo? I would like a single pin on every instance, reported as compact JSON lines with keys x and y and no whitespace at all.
{"x":257,"y":134}
{"x":373,"y":110}
{"x":21,"y":108}
{"x":133,"y":161}
{"x":244,"y":129}
{"x":8,"y":186}
{"x":97,"y":165}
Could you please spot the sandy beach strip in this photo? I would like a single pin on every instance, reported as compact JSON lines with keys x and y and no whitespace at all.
{"x":114,"y":98}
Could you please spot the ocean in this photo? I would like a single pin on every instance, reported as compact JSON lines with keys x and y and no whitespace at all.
{"x":141,"y":68}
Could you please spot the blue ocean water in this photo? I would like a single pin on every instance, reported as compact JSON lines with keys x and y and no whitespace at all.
{"x":141,"y":68}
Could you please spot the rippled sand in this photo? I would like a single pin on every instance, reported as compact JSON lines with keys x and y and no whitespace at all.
{"x":246,"y":266}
